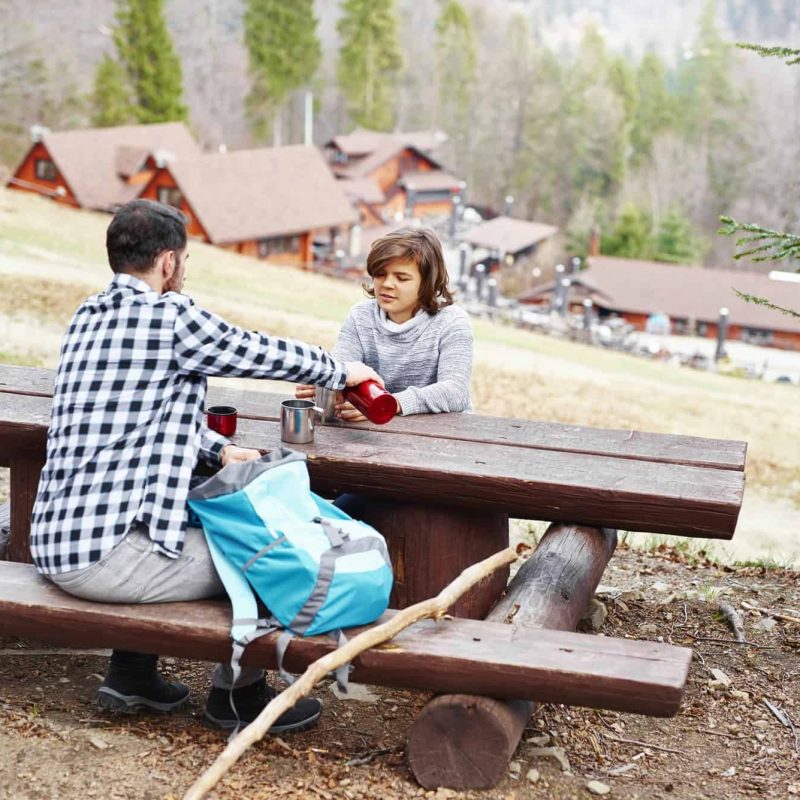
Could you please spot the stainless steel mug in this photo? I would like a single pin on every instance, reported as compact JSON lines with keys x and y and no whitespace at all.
{"x":326,"y":400}
{"x":297,"y":421}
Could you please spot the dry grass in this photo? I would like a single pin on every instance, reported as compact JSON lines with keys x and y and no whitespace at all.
{"x":51,"y":258}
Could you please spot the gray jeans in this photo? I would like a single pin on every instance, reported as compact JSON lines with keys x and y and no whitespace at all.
{"x":134,"y":572}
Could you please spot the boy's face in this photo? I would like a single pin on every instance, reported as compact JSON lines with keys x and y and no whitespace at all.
{"x":397,"y":290}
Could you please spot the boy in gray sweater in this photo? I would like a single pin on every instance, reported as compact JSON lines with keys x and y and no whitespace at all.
{"x":409,"y":332}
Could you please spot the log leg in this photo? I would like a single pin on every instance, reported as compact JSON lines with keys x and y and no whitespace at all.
{"x":466,"y":741}
{"x":431,"y":546}
{"x":25,"y":471}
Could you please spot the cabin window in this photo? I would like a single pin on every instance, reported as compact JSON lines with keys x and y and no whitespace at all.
{"x":46,"y":169}
{"x":278,"y":244}
{"x":757,"y":335}
{"x":434,"y":196}
{"x":170,"y":196}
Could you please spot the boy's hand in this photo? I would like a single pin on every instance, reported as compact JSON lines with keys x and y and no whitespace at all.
{"x":305,"y":391}
{"x":349,"y":413}
{"x":358,"y":373}
{"x":231,"y":454}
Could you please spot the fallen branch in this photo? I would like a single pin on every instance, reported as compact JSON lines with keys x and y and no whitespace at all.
{"x":767,"y":612}
{"x":731,"y":616}
{"x":434,"y":608}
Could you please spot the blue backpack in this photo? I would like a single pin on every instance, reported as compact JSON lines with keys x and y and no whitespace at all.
{"x":316,"y":569}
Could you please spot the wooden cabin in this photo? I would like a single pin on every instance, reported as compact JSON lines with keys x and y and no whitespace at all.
{"x":514,"y":248}
{"x":391,"y":175}
{"x":690,"y":296}
{"x":99,"y":168}
{"x":268,"y":203}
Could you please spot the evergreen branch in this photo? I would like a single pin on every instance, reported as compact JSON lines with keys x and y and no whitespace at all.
{"x":762,"y":301}
{"x":789,"y":55}
{"x":777,"y":244}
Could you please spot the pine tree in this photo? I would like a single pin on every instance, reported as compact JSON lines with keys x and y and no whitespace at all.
{"x":758,"y":242}
{"x":284,"y":53}
{"x":111,"y":103}
{"x":370,"y":61}
{"x":632,"y":236}
{"x":676,"y":241}
{"x":455,"y":72}
{"x":151,"y":66}
{"x":655,"y":107}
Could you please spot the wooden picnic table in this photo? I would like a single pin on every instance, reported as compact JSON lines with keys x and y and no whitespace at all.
{"x":443,"y":486}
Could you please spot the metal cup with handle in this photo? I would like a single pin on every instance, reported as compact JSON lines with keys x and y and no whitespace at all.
{"x":297,"y":421}
{"x":326,"y":400}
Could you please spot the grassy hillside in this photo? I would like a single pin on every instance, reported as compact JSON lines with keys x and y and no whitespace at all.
{"x":51,"y":257}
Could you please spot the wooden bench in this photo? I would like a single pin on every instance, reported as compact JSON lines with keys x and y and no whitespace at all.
{"x":461,"y":655}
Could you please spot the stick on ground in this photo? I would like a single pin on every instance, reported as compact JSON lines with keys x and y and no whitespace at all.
{"x":434,"y":608}
{"x":731,"y":616}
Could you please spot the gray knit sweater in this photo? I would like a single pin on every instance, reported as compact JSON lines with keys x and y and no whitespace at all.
{"x":425,"y":362}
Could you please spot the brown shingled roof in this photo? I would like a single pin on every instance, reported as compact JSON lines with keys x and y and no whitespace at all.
{"x":92,"y":160}
{"x":363,"y":189}
{"x":430,"y":181}
{"x":254,"y":194}
{"x":362,"y":141}
{"x":686,"y":292}
{"x":508,"y":235}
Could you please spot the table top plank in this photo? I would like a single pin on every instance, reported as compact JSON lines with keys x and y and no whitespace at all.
{"x":527,"y":483}
{"x":522,"y":433}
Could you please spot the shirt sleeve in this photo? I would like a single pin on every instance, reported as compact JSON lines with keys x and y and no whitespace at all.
{"x":211,"y":446}
{"x":206,"y":344}
{"x":452,"y":390}
{"x":348,"y":345}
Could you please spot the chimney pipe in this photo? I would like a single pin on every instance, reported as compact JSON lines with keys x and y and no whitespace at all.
{"x":509,"y":207}
{"x":594,"y":241}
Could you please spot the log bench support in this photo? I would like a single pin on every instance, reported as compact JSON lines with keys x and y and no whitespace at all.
{"x":466,"y":741}
{"x":25,"y":468}
{"x":431,"y":546}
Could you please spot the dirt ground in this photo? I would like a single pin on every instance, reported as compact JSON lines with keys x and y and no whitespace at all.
{"x":736,"y":735}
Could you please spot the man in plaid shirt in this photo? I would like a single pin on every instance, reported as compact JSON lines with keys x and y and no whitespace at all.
{"x":110,"y":519}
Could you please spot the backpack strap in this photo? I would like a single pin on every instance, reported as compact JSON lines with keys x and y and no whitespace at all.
{"x":246,"y":625}
{"x":336,"y":535}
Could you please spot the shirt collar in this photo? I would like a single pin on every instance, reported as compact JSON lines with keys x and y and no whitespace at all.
{"x":124,"y":280}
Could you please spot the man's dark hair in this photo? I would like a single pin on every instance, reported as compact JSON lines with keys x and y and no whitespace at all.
{"x":139,"y":231}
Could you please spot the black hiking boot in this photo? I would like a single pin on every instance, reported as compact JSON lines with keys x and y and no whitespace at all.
{"x":250,"y":701}
{"x":133,"y":684}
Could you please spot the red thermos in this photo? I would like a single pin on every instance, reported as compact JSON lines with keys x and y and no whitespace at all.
{"x":373,"y":401}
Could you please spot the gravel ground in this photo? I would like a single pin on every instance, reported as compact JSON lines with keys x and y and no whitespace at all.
{"x":724,"y":743}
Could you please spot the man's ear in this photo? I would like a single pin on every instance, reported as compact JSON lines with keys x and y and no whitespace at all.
{"x":166,"y":263}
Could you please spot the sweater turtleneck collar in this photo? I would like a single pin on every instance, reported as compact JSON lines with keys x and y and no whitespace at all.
{"x":409,"y":328}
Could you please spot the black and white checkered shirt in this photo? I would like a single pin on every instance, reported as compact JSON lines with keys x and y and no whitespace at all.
{"x":127,"y":426}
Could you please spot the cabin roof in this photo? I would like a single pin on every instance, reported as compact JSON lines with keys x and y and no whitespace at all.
{"x":254,"y":194}
{"x":96,"y":161}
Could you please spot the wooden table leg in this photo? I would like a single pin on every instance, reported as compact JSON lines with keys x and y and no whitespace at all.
{"x":25,"y":471}
{"x":465,"y":741}
{"x":431,"y":546}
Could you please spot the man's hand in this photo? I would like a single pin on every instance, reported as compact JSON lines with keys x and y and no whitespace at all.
{"x":358,"y":373}
{"x":231,"y":454}
{"x":349,"y":413}
{"x":305,"y":391}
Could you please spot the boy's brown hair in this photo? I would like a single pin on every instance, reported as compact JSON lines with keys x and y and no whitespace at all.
{"x":422,"y":246}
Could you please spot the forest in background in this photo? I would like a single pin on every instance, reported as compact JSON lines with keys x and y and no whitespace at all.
{"x":587,"y":112}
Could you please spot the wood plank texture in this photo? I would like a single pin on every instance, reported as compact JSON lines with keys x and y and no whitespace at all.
{"x":25,"y":470}
{"x":430,"y":547}
{"x":665,"y":448}
{"x":454,"y":655}
{"x":464,"y":741}
{"x":525,"y":483}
